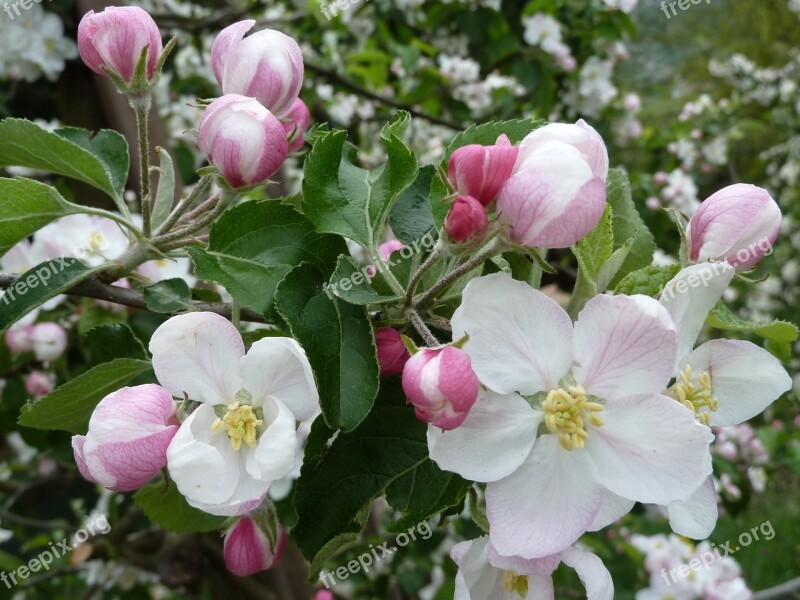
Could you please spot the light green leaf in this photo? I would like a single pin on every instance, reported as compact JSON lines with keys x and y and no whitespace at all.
{"x":165,"y":192}
{"x":780,"y":332}
{"x":594,"y":250}
{"x":25,"y":207}
{"x":69,"y":407}
{"x":627,"y":223}
{"x":338,"y":340}
{"x":649,"y":281}
{"x":340,"y":197}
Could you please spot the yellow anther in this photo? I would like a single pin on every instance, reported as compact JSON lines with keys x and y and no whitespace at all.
{"x":565,"y":412}
{"x":515,"y":583}
{"x":242,"y":425}
{"x":695,"y":394}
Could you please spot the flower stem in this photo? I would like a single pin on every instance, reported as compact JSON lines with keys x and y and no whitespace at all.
{"x":185,"y":204}
{"x":141,"y":107}
{"x":422,"y":329}
{"x":435,"y":254}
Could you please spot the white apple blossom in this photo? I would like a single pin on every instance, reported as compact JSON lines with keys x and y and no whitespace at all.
{"x":608,"y":436}
{"x":243,"y":436}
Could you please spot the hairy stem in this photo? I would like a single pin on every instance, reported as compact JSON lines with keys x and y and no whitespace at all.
{"x":422,"y":329}
{"x":424,"y":267}
{"x":141,"y":107}
{"x":185,"y":204}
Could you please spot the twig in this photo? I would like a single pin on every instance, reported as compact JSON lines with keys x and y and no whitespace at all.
{"x":784,"y":591}
{"x":98,"y":290}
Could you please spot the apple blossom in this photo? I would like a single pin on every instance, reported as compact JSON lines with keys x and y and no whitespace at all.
{"x":609,"y":436}
{"x":556,"y":194}
{"x":737,"y":224}
{"x":115,"y":38}
{"x":392,"y":352}
{"x":484,"y":574}
{"x":38,"y":383}
{"x":19,"y":339}
{"x":266,"y":65}
{"x":129,"y":432}
{"x":244,"y":140}
{"x":441,"y":385}
{"x":49,"y":341}
{"x":248,"y":549}
{"x":466,"y":220}
{"x":295,"y":123}
{"x":480,"y":171}
{"x":722,"y":382}
{"x":242,"y":436}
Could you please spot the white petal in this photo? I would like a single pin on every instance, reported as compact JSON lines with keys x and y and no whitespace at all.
{"x":689,"y":297}
{"x":696,"y":517}
{"x":480,"y":580}
{"x":651,"y":449}
{"x":520,"y":340}
{"x":201,"y":462}
{"x":248,"y":495}
{"x":624,"y":345}
{"x":198,"y":353}
{"x":492,"y":443}
{"x":745,"y":379}
{"x":593,"y":573}
{"x":277,"y":366}
{"x":276,"y":453}
{"x":546,"y":504}
{"x":614,"y":508}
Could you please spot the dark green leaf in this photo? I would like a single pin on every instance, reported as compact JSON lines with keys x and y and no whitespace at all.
{"x":168,"y":296}
{"x":114,"y":341}
{"x":170,"y":510}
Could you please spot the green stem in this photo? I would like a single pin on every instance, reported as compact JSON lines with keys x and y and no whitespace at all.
{"x":383,"y":269}
{"x":491,"y":249}
{"x":429,"y":262}
{"x":422,"y":329}
{"x":99,"y":212}
{"x":185,"y":204}
{"x":141,"y":106}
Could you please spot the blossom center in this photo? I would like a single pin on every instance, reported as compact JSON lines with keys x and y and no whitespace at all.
{"x":513,"y":582}
{"x":566,"y":413}
{"x":242,"y":424}
{"x":695,"y":394}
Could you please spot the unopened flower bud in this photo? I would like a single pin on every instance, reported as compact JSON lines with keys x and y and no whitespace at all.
{"x":295,"y":123}
{"x":248,"y":549}
{"x":466,"y":220}
{"x":441,"y":385}
{"x":49,"y":341}
{"x":480,"y":171}
{"x":38,"y":383}
{"x":392,"y":352}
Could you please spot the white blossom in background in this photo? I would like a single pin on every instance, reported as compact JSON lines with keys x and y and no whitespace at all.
{"x":681,"y":192}
{"x":33,"y":45}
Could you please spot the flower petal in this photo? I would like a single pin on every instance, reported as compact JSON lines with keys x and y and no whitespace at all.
{"x":492,"y":443}
{"x":651,"y":449}
{"x":277,"y":366}
{"x":546,"y":504}
{"x":593,"y":573}
{"x":696,"y":517}
{"x":614,"y":508}
{"x":198,"y":353}
{"x":523,"y":345}
{"x":477,"y":579}
{"x":276,"y":453}
{"x":689,"y":297}
{"x":624,"y":345}
{"x":745,"y":379}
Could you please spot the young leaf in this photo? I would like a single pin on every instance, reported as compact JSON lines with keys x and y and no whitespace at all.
{"x":780,"y":332}
{"x":338,"y":340}
{"x":649,"y":281}
{"x":165,"y":192}
{"x":168,"y":296}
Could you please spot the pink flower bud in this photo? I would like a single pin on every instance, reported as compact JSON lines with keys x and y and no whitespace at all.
{"x":295,"y":123}
{"x":38,"y":383}
{"x":248,"y":550}
{"x":49,"y":341}
{"x":480,"y":171}
{"x":392,"y":352}
{"x":738,"y":224}
{"x":129,"y":432}
{"x":557,"y":193}
{"x":386,"y":249}
{"x":115,"y":39}
{"x":466,"y":220}
{"x":19,"y":339}
{"x":661,"y":178}
{"x":441,"y":385}
{"x":324,"y":595}
{"x":241,"y":138}
{"x":267,"y":65}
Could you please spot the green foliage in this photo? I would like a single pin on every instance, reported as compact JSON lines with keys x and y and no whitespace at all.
{"x":165,"y":506}
{"x":168,"y":296}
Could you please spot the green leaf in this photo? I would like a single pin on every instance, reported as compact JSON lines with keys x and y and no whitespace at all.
{"x":627,"y":223}
{"x":169,"y":509}
{"x":339,"y":197}
{"x":107,"y":146}
{"x":69,"y":407}
{"x":114,"y":341}
{"x":168,"y":296}
{"x":350,"y":283}
{"x":25,"y":207}
{"x":254,"y":245}
{"x":486,"y":134}
{"x":388,"y":450}
{"x":649,"y":281}
{"x":165,"y":192}
{"x":338,"y":340}
{"x":780,"y":332}
{"x":411,"y":217}
{"x":594,"y":250}
{"x":25,"y":144}
{"x":36,"y":286}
